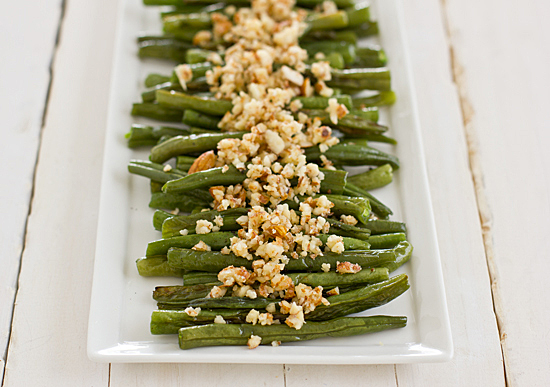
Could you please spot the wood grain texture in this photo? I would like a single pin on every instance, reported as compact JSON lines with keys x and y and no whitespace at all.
{"x":176,"y":375}
{"x":48,"y":341}
{"x":477,"y":359}
{"x":340,"y":375}
{"x":502,"y":52}
{"x":24,"y":84}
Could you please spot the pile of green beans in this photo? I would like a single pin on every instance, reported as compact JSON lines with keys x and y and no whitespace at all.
{"x":377,"y":244}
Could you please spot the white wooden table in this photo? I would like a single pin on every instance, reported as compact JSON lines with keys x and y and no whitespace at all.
{"x":481,"y":71}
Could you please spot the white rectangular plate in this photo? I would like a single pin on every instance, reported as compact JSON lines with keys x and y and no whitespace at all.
{"x":121,"y":303}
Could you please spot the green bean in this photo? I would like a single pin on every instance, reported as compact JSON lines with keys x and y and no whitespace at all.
{"x":313,"y":3}
{"x":233,"y":334}
{"x":182,"y":202}
{"x":357,"y":15}
{"x":319,"y":21}
{"x":403,"y":253}
{"x":337,"y":36}
{"x":156,"y":79}
{"x":189,"y":144}
{"x":367,"y":113}
{"x":194,"y":8}
{"x":181,"y":101}
{"x":366,"y":276}
{"x":156,"y":112}
{"x":379,"y":208}
{"x":141,"y":135}
{"x":353,"y":153}
{"x":322,"y":103}
{"x":157,"y":266}
{"x":380,"y":226}
{"x":207,"y":178}
{"x":349,"y":243}
{"x":370,"y":137}
{"x":209,"y":261}
{"x":155,"y":186}
{"x":216,"y":241}
{"x":335,"y":60}
{"x":379,"y":99}
{"x":214,"y":261}
{"x":170,"y":321}
{"x":199,"y":277}
{"x":163,"y":49}
{"x":368,"y":28}
{"x":358,"y":300}
{"x":159,"y":217}
{"x":171,"y":226}
{"x":386,"y":241}
{"x":232,"y":303}
{"x":361,"y":79}
{"x":364,"y":258}
{"x":175,"y":23}
{"x":333,"y":182}
{"x":355,"y":123}
{"x":154,"y":171}
{"x":345,"y":49}
{"x":374,"y":178}
{"x":197,"y":55}
{"x":183,"y":163}
{"x":370,"y":57}
{"x":151,"y":95}
{"x":180,"y":294}
{"x":195,"y":118}
{"x":350,"y":205}
{"x":346,"y":230}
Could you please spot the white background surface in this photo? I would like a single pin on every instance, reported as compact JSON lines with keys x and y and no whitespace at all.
{"x":482,"y":80}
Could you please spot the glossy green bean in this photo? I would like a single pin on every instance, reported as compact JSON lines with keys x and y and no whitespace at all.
{"x":156,"y":112}
{"x":379,"y":208}
{"x":374,"y":178}
{"x":181,"y":145}
{"x":181,"y":101}
{"x":332,"y":278}
{"x":142,"y":135}
{"x":157,"y":266}
{"x":234,"y":334}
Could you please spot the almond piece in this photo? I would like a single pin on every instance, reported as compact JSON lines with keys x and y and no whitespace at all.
{"x":205,"y":161}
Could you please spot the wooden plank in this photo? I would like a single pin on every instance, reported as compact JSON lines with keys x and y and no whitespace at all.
{"x":48,"y":340}
{"x":172,"y":375}
{"x":339,"y":375}
{"x":477,"y":359}
{"x":502,"y":55}
{"x":24,"y":83}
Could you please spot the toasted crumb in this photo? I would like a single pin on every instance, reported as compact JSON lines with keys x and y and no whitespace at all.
{"x":184,"y":231}
{"x":219,"y":320}
{"x":201,"y":246}
{"x":325,"y":267}
{"x":193,"y":312}
{"x":252,"y":316}
{"x":254,"y":341}
{"x":217,"y":292}
{"x":333,"y":292}
{"x":203,"y":226}
{"x":348,"y":267}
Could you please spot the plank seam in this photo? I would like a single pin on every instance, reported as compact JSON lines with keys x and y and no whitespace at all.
{"x":284,"y":374}
{"x":483,"y":207}
{"x":395,"y":373}
{"x":35,"y":168}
